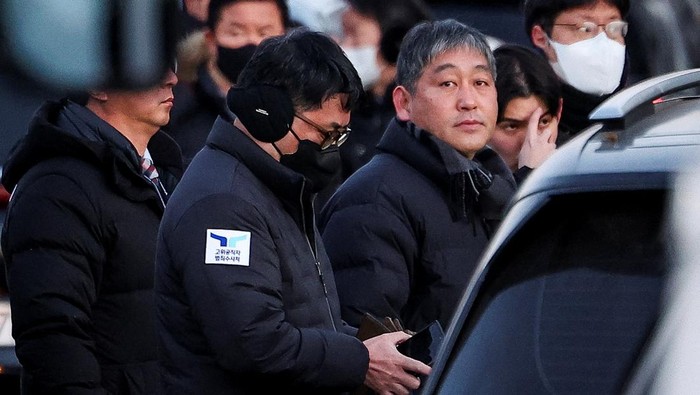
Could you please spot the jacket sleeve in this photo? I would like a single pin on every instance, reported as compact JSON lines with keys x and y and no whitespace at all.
{"x":54,"y":257}
{"x":373,"y":253}
{"x":240,"y":307}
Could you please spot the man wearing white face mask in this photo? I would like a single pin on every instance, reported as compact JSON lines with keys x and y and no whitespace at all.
{"x":364,"y":22}
{"x":584,"y":41}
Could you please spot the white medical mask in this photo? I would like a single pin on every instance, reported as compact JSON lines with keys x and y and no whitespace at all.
{"x":592,"y":66}
{"x":364,"y":59}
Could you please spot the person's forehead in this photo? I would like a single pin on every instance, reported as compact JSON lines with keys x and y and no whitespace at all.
{"x":520,"y":108}
{"x":351,"y":15}
{"x":463,"y":58}
{"x":249,"y":12}
{"x":355,"y":23}
{"x":332,"y":112}
{"x":593,"y":11}
{"x":336,"y":103}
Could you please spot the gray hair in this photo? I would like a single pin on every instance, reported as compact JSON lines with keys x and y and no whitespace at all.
{"x":428,"y":40}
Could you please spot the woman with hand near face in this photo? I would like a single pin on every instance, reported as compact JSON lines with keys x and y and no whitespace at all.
{"x":529,"y":109}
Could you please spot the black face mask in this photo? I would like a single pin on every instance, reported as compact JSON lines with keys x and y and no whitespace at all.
{"x":232,"y":60}
{"x":319,"y":167}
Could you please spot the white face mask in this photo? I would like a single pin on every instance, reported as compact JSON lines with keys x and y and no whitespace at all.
{"x":365,"y":61}
{"x":593,"y":66}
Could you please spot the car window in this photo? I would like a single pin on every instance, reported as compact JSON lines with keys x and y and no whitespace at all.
{"x":568,"y":304}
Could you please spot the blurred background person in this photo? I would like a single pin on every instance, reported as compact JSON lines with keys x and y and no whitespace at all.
{"x":584,"y":42}
{"x":234,"y":30}
{"x":372,"y":32}
{"x":529,"y":107}
{"x":90,"y":180}
{"x":322,"y":16}
{"x":194,"y":15}
{"x":191,"y":51}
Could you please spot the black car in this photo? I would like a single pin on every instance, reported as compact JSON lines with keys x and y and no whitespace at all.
{"x":569,"y":291}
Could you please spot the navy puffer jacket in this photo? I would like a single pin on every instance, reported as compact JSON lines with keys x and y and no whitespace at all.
{"x":404,"y":232}
{"x":267,"y":320}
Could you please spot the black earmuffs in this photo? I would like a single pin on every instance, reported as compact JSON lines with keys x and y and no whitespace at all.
{"x":265,"y":110}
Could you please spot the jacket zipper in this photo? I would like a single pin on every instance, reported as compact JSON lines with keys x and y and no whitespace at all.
{"x":314,"y":254}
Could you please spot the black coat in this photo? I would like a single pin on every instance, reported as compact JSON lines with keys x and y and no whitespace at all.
{"x":79,"y":243}
{"x":263,"y":318}
{"x":404,"y":235}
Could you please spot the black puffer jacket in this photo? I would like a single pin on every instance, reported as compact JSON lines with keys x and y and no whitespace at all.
{"x":405,"y":231}
{"x":79,"y":243}
{"x":245,"y":293}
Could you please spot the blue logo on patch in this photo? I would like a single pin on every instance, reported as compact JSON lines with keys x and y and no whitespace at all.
{"x":228,"y":241}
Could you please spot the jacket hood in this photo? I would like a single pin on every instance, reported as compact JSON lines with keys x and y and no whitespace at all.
{"x":401,"y":138}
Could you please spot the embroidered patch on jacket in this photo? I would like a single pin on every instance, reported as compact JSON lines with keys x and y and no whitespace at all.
{"x":227,"y":247}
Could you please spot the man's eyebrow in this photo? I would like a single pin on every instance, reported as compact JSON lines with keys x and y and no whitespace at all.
{"x":591,"y":16}
{"x":483,"y":67}
{"x":444,"y":67}
{"x":514,"y":120}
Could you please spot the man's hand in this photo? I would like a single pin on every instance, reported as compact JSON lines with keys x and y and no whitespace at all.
{"x":391,"y":372}
{"x":539,"y":141}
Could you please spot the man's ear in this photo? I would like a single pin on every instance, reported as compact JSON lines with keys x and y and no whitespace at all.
{"x":540,"y":39}
{"x":402,"y":103}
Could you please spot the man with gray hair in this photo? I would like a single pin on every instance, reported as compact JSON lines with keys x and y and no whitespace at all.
{"x":404,"y":232}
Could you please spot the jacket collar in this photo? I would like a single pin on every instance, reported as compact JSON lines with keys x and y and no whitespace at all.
{"x":445,"y":167}
{"x":282,"y":181}
{"x":65,"y":129}
{"x":413,"y":146}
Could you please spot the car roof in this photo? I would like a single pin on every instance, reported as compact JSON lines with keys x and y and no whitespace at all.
{"x":637,"y":139}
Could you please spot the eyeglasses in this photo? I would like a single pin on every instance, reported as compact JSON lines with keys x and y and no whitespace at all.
{"x":616,"y":30}
{"x":336,"y":137}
